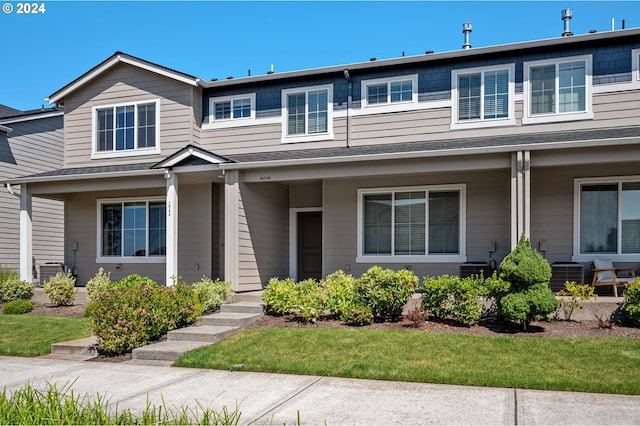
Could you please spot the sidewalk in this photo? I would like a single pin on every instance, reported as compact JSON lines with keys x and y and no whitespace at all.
{"x":278,"y":398}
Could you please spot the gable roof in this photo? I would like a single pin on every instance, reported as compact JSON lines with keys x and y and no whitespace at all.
{"x":115,"y":59}
{"x":187,"y":155}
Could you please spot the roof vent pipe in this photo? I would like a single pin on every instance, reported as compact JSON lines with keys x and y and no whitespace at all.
{"x":566,"y":17}
{"x":466,"y":30}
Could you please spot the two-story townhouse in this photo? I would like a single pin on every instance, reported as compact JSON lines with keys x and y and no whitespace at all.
{"x":30,"y":142}
{"x":426,"y":162}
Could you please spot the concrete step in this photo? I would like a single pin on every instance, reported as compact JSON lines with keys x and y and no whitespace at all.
{"x":202,"y":333}
{"x":86,"y":347}
{"x":243,"y":307}
{"x":231,"y":319}
{"x":251,"y":296}
{"x":169,"y":350}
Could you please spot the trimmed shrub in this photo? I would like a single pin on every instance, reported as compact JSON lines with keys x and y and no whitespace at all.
{"x":279,"y":296}
{"x":133,"y":281}
{"x":631,"y":304}
{"x":6,"y":274}
{"x":60,"y":289}
{"x":571,"y":296}
{"x":99,"y":283}
{"x":358,"y":315}
{"x":386,"y":291}
{"x":451,"y":296}
{"x":309,"y":299}
{"x":129,"y":317}
{"x":17,"y":307}
{"x":528,"y":294}
{"x":340,"y":294}
{"x":13,"y":288}
{"x":211,"y":293}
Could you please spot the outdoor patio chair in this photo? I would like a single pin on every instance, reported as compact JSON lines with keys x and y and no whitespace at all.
{"x":604,"y":273}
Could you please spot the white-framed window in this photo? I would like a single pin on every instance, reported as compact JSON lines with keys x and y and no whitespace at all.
{"x":126,"y":129}
{"x":607,"y":218}
{"x":412,"y":224}
{"x":307,"y":114}
{"x":483,"y":97}
{"x":635,"y":65}
{"x":558,"y":90}
{"x":232,"y":108}
{"x":390,"y":92}
{"x":131,"y":230}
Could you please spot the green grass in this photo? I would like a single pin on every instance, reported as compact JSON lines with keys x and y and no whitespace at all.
{"x":61,"y":406}
{"x":32,"y":335}
{"x":602,"y":365}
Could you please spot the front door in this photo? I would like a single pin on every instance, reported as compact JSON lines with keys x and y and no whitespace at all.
{"x":309,"y":245}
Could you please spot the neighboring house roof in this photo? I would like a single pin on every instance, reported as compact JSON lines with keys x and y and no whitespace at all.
{"x":115,"y":59}
{"x":445,"y":147}
{"x":6,"y":111}
{"x":16,"y":116}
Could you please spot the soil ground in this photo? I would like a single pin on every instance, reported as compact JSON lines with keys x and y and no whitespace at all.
{"x":556,"y":328}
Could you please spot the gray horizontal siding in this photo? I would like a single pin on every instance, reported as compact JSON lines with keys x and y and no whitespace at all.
{"x":33,"y":146}
{"x":124,"y":84}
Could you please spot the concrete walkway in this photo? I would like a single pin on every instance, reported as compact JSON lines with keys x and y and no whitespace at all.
{"x":278,"y":398}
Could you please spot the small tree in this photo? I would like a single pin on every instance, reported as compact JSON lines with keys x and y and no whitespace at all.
{"x":527,"y":294}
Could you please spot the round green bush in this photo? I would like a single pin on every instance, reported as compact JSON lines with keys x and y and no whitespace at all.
{"x":279,"y":296}
{"x":386,"y":291}
{"x":211,"y":293}
{"x":98,"y":283}
{"x":13,"y":288}
{"x":60,"y":289}
{"x":134,"y":280}
{"x":631,"y":305}
{"x":17,"y":307}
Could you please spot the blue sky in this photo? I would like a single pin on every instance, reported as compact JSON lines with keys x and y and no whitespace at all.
{"x":212,"y":39}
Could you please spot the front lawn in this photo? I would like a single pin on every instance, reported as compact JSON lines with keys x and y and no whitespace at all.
{"x":32,"y":335}
{"x":585,"y":364}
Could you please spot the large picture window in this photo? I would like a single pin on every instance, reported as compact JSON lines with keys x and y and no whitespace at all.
{"x":132,"y":229}
{"x":126,"y":128}
{"x":411,"y":223}
{"x":609,"y":217}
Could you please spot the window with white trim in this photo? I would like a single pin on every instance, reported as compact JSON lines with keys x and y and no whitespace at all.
{"x":307,"y":113}
{"x":482,"y":97}
{"x":608,"y":217}
{"x":132,"y":228}
{"x":414,"y":223}
{"x":126,"y":128}
{"x":227,"y":108}
{"x":635,"y":65}
{"x":558,"y":90}
{"x":388,"y":91}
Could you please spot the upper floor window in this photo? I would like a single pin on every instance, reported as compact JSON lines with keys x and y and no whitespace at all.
{"x":420,"y":224}
{"x":482,"y":97}
{"x":558,"y":90}
{"x":608,"y":217}
{"x":307,"y":113}
{"x":387,"y":91}
{"x":126,"y":129}
{"x":232,"y":107}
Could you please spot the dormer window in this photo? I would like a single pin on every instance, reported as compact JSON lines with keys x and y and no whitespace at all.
{"x":126,"y":129}
{"x":390,"y":91}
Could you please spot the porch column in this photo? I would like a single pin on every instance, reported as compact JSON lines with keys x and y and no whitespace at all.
{"x":520,"y":196}
{"x":231,"y":212}
{"x":26,"y":234}
{"x":172,"y":227}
